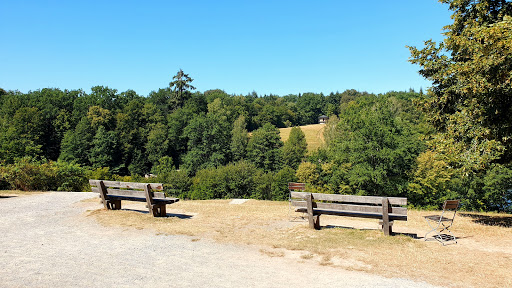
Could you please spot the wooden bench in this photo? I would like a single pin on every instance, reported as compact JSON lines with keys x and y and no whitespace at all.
{"x":383,"y":208}
{"x":112,"y":192}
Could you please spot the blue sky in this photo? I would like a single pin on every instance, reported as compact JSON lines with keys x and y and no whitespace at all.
{"x":279,"y":47}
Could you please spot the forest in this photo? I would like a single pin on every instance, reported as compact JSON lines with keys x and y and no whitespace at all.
{"x":454,"y":141}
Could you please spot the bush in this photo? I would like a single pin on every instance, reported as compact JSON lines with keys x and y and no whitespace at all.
{"x":30,"y":174}
{"x":70,"y":177}
{"x":236,"y":180}
{"x":206,"y":185}
{"x":263,"y":189}
{"x":280,"y":183}
{"x":497,"y":189}
{"x":176,"y":183}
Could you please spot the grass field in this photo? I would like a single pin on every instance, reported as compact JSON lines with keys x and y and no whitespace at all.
{"x":314,"y":135}
{"x":482,"y":258}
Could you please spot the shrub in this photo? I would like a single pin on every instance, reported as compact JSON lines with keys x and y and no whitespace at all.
{"x":280,"y":183}
{"x":30,"y":174}
{"x":70,"y":177}
{"x":235,"y":180}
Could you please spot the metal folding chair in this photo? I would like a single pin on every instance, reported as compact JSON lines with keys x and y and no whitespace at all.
{"x":294,"y":187}
{"x":443,"y":222}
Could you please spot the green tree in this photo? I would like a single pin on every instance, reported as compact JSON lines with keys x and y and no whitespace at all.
{"x":379,"y":144}
{"x":104,"y":150}
{"x":239,"y":139}
{"x":180,"y":87}
{"x":310,"y":106}
{"x":469,"y":103}
{"x":264,"y":146}
{"x":208,"y":142}
{"x":21,"y":134}
{"x":157,"y":144}
{"x":471,"y":70}
{"x":295,"y":148}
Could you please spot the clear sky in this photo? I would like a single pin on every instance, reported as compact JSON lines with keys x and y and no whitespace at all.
{"x":278,"y":47}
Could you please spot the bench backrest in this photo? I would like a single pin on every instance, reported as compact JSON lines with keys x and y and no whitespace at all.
{"x":357,"y":204}
{"x":128,"y":189}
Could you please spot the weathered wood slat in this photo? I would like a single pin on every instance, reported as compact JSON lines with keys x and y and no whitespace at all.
{"x":128,"y":185}
{"x":353,"y":214}
{"x":350,"y":198}
{"x":135,"y":193}
{"x":351,"y":207}
{"x":392,"y":217}
{"x":120,"y":192}
{"x":143,"y":199}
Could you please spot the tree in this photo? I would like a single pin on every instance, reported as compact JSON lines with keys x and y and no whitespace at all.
{"x":264,"y":146}
{"x":377,"y":144}
{"x":208,"y":142}
{"x":239,"y":139}
{"x":310,"y":107}
{"x":104,"y":151}
{"x":180,"y":87}
{"x":76,"y":143}
{"x":20,"y":135}
{"x":157,"y":144}
{"x":295,"y":148}
{"x":469,"y":103}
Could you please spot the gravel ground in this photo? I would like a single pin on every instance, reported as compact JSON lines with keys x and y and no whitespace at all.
{"x":45,"y":241}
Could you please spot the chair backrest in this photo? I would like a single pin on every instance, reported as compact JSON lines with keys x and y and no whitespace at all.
{"x":299,"y":187}
{"x":451,"y":206}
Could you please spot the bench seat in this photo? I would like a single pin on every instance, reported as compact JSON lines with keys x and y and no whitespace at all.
{"x":392,"y":217}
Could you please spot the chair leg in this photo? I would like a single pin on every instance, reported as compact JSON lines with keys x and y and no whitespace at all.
{"x":453,"y":238}
{"x":439,"y":237}
{"x":433,"y":230}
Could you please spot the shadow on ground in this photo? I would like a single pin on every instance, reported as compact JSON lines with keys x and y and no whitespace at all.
{"x":10,"y":196}
{"x":411,"y":235}
{"x":180,"y":216}
{"x":502,"y":221}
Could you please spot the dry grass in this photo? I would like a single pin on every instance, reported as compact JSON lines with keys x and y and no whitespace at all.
{"x":314,"y":135}
{"x":16,"y":193}
{"x":483,"y":256}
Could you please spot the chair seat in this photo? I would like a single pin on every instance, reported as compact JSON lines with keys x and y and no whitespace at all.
{"x":437,"y":218}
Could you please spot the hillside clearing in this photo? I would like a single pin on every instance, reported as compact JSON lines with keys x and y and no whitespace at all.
{"x":314,"y":135}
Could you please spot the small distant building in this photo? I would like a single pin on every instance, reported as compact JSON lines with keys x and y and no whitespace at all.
{"x":323,"y":119}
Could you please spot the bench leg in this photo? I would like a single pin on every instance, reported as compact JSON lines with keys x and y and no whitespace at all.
{"x":388,"y":231}
{"x":115,"y":204}
{"x":112,"y":204}
{"x":316,"y":219}
{"x":159,"y":210}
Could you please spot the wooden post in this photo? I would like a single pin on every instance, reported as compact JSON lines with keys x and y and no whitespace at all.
{"x":103,"y":193}
{"x":385,"y":217}
{"x":149,"y":198}
{"x":115,"y":204}
{"x":317,"y":221}
{"x":311,"y":217}
{"x":161,"y":210}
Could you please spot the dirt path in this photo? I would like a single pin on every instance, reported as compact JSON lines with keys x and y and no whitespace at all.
{"x":45,"y":241}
